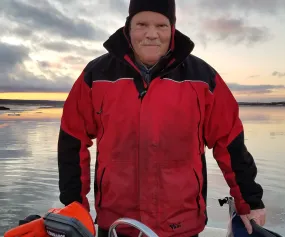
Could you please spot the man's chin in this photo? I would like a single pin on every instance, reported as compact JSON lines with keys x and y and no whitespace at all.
{"x":151,"y":60}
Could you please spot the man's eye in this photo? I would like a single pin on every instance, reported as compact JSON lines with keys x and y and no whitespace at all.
{"x":141,"y":24}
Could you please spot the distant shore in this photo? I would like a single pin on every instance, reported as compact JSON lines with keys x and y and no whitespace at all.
{"x":281,"y":103}
{"x":4,"y":108}
{"x":40,"y":103}
{"x":59,"y":104}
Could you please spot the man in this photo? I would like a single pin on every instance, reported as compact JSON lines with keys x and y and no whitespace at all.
{"x":153,"y":107}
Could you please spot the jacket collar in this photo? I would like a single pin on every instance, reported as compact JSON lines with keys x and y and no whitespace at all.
{"x":119,"y":46}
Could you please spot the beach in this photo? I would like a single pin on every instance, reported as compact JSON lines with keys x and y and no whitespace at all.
{"x":29,"y":178}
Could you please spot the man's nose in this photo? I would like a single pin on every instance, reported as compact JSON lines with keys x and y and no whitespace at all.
{"x":152,"y":33}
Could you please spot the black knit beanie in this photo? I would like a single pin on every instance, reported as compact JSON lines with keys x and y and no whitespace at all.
{"x":164,"y":7}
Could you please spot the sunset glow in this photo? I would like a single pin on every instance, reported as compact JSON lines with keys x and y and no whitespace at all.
{"x":33,"y":96}
{"x":47,"y":45}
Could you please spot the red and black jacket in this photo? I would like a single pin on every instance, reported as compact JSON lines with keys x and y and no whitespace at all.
{"x":151,"y":140}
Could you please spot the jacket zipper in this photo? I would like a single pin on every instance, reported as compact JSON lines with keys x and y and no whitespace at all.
{"x":96,"y":187}
{"x":100,"y":113}
{"x":139,"y":138}
{"x":198,"y":101}
{"x":147,"y":77}
{"x":101,"y":179}
{"x":199,"y":123}
{"x":139,"y":147}
{"x":199,"y":189}
{"x":97,"y":158}
{"x":141,"y":96}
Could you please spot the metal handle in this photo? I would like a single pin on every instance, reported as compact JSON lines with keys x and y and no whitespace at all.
{"x":136,"y":224}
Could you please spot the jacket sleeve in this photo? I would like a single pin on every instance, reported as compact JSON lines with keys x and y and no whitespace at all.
{"x":77,"y":129}
{"x":223,"y":131}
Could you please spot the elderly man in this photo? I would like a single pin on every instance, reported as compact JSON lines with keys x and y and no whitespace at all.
{"x":153,"y":107}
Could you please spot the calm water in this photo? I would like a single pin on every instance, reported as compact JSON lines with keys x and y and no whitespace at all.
{"x":28,"y":166}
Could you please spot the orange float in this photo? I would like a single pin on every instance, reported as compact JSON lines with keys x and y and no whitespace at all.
{"x":73,"y":220}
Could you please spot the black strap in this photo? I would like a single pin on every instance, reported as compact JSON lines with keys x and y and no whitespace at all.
{"x":29,"y":219}
{"x":140,"y":87}
{"x":260,"y":231}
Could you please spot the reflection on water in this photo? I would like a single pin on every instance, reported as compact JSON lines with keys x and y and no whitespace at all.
{"x":29,"y":178}
{"x":28,"y":169}
{"x":264,"y":137}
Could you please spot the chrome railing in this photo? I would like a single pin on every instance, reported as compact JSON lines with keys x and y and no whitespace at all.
{"x":144,"y":230}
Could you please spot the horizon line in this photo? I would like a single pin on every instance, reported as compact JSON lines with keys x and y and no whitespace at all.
{"x":41,"y":100}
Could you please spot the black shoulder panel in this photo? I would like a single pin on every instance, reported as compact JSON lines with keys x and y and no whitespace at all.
{"x":108,"y":68}
{"x":195,"y":69}
{"x":95,"y":63}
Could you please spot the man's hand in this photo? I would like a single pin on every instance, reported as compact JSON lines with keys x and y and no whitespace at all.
{"x":257,"y":215}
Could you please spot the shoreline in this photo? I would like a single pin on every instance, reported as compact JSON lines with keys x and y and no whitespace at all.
{"x":52,"y":110}
{"x":59,"y":104}
{"x":272,"y":104}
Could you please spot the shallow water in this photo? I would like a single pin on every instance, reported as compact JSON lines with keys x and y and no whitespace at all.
{"x":29,"y":179}
{"x":265,"y":140}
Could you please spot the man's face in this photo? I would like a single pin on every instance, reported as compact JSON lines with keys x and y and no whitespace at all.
{"x":150,"y":34}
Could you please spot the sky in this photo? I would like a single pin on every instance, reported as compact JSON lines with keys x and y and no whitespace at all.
{"x":44,"y":45}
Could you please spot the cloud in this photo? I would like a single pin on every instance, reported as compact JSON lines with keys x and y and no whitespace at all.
{"x":261,"y":6}
{"x":44,"y":64}
{"x":46,"y":18}
{"x":233,"y":31}
{"x":110,"y":8}
{"x":26,"y":81}
{"x":234,"y":22}
{"x":63,"y":46}
{"x":15,"y":29}
{"x":254,"y":76}
{"x":116,"y":7}
{"x":73,"y":60}
{"x":56,"y":38}
{"x":11,"y":56}
{"x":278,"y":74}
{"x":257,"y":89}
{"x":23,"y":31}
{"x":35,"y":62}
{"x":14,"y":76}
{"x":60,"y":46}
